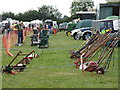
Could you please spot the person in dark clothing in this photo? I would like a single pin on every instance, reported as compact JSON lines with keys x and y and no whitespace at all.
{"x":50,"y":29}
{"x":32,"y":26}
{"x":7,"y":28}
{"x":20,"y":28}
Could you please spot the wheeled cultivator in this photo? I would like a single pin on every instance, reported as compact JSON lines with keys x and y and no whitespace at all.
{"x":97,"y":53}
{"x":21,"y":65}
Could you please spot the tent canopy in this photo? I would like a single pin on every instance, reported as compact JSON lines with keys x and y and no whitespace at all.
{"x":36,"y":21}
{"x":5,"y":21}
{"x":48,"y":20}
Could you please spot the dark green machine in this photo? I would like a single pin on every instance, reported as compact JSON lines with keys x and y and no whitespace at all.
{"x":43,"y":36}
{"x":34,"y":38}
{"x":71,"y":26}
{"x":40,"y":38}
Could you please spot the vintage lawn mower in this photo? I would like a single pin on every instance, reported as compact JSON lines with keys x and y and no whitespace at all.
{"x":34,"y":38}
{"x":99,"y":48}
{"x":44,"y":36}
{"x":21,"y":65}
{"x":41,"y":39}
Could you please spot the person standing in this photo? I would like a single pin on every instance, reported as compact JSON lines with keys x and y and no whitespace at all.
{"x":8,"y":27}
{"x":50,"y":29}
{"x":55,"y":29}
{"x":20,"y":28}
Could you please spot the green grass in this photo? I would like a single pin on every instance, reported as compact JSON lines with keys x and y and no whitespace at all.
{"x":44,"y":72}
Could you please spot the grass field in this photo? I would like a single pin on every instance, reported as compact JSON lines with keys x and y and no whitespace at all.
{"x":55,"y":69}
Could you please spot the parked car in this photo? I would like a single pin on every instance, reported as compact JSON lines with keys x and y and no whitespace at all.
{"x":82,"y":30}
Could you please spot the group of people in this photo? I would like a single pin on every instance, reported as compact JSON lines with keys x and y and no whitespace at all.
{"x":52,"y":29}
{"x":17,"y":28}
{"x":47,"y":26}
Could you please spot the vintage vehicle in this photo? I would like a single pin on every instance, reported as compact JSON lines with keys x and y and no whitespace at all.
{"x":82,"y":30}
{"x":105,"y":25}
{"x":71,"y":27}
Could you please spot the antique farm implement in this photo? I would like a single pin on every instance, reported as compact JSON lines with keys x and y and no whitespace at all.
{"x":21,"y":65}
{"x":97,"y":53}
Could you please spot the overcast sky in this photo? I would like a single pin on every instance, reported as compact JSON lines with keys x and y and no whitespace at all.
{"x":17,"y":6}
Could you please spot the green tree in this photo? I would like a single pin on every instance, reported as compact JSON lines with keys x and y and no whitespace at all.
{"x":8,"y":15}
{"x":80,"y":5}
{"x":44,"y":12}
{"x":64,"y":19}
{"x":19,"y":17}
{"x":48,"y":12}
{"x":30,"y":15}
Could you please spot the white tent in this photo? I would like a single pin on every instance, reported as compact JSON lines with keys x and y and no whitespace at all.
{"x":36,"y":21}
{"x":26,"y":24}
{"x":14,"y":21}
{"x":5,"y":21}
{"x":48,"y":20}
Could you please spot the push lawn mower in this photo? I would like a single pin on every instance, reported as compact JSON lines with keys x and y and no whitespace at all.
{"x":21,"y":65}
{"x":100,"y":47}
{"x":40,"y":39}
{"x":34,"y":38}
{"x":44,"y":36}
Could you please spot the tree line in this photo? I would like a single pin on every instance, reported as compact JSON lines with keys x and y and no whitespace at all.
{"x":42,"y":13}
{"x":49,"y":12}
